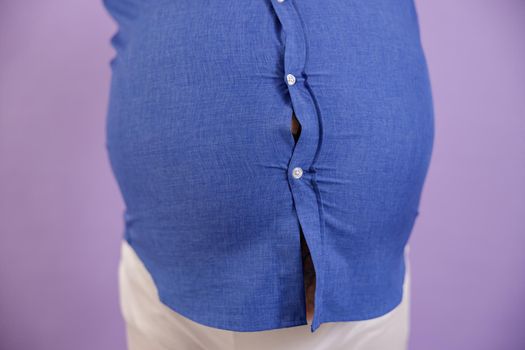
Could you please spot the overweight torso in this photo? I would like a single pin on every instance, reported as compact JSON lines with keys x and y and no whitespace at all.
{"x":217,"y":187}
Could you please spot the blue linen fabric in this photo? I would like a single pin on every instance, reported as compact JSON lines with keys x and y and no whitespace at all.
{"x":199,"y":140}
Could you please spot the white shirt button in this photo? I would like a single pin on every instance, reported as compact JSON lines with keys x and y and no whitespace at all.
{"x":280,"y":0}
{"x":297,"y":172}
{"x":290,"y":78}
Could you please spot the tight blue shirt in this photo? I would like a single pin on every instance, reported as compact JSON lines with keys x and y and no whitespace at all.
{"x":217,"y":191}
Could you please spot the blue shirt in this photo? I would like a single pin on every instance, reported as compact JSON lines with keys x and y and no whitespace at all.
{"x":217,"y":191}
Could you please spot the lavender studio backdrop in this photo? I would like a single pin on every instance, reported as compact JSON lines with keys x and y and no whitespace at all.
{"x":60,"y":210}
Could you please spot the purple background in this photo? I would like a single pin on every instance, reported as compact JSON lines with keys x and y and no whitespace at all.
{"x":60,"y":210}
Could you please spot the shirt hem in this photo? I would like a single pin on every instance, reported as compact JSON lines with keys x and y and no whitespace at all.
{"x":267,"y":326}
{"x":370,"y":316}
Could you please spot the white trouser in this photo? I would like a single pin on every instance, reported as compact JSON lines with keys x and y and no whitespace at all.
{"x":151,"y":325}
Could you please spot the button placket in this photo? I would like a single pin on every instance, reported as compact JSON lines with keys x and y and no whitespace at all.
{"x":301,"y":173}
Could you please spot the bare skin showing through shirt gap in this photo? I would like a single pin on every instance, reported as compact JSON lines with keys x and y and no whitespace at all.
{"x":308,"y":268}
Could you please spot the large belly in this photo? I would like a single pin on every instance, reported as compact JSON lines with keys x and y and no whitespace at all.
{"x":199,"y":107}
{"x":200,"y":138}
